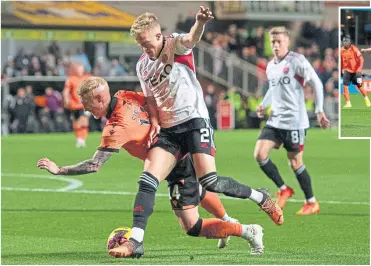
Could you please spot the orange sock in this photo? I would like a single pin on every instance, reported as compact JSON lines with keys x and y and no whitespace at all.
{"x":346,"y":93}
{"x":362,"y":90}
{"x":78,"y":131}
{"x":84,"y":132}
{"x":215,"y":228}
{"x":212,"y":204}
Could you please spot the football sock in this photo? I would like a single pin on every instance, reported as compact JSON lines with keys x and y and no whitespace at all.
{"x":215,"y":228}
{"x":271,"y":171}
{"x":304,"y":181}
{"x":283,"y":187}
{"x":137,"y":234}
{"x":346,"y":94}
{"x":226,"y":185}
{"x":144,"y":202}
{"x":212,"y":204}
{"x":84,"y":132}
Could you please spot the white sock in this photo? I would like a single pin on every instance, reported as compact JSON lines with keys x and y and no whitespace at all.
{"x":245,"y":229}
{"x":283,"y":187}
{"x":311,"y":200}
{"x":225,"y":218}
{"x":137,"y":234}
{"x":256,"y":196}
{"x":366,"y":97}
{"x":348,"y":102}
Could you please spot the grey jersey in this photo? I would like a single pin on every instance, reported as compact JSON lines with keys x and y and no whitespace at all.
{"x":287,"y":80}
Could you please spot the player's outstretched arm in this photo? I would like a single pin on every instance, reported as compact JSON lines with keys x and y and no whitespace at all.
{"x":86,"y":167}
{"x":203,"y":16}
{"x":153,"y":113}
{"x":366,"y":50}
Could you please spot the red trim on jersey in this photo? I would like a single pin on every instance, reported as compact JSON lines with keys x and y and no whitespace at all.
{"x":299,"y":79}
{"x":186,"y":60}
{"x":301,"y":147}
{"x":142,"y":56}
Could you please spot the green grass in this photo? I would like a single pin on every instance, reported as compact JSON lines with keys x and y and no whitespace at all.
{"x":355,"y":121}
{"x":71,"y":227}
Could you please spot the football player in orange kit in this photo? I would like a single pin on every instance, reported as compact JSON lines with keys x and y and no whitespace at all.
{"x":351,"y":67}
{"x":128,"y":127}
{"x":72,"y":101}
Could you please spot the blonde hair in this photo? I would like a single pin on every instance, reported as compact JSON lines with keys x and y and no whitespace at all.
{"x":144,"y":22}
{"x":90,"y":84}
{"x":279,"y":30}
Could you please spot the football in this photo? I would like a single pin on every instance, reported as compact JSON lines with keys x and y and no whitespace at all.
{"x":118,"y":237}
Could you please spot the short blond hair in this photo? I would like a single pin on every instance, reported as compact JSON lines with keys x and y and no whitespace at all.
{"x":279,"y":30}
{"x":90,"y":84}
{"x":144,"y":22}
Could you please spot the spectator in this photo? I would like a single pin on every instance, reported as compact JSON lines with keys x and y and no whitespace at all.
{"x":116,"y":69}
{"x":54,"y":49}
{"x":9,"y":69}
{"x":60,"y":69}
{"x":35,"y":68}
{"x":235,"y":99}
{"x":80,"y":56}
{"x":21,"y":108}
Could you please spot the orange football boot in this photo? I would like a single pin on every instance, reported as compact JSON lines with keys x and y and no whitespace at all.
{"x":283,"y":196}
{"x":309,"y":209}
{"x":270,"y":207}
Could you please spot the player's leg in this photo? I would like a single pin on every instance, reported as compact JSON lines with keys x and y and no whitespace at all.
{"x":77,"y":125}
{"x":357,"y":79}
{"x":268,"y":139}
{"x":200,"y":144}
{"x":294,"y":144}
{"x":83,"y":122}
{"x":157,"y":166}
{"x":195,"y":226}
{"x":184,"y":199}
{"x":346,"y":83}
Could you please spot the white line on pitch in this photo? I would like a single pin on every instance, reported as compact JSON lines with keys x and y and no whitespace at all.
{"x":73,"y":183}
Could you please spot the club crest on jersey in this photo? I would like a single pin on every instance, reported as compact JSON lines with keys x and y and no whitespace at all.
{"x":286,"y":70}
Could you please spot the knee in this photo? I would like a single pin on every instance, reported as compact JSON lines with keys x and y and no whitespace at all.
{"x":195,"y":230}
{"x":296,"y":163}
{"x":260,"y":155}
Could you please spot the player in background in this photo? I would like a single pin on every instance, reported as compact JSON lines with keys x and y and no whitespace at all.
{"x":80,"y":119}
{"x":287,"y":75}
{"x":366,"y":50}
{"x":351,"y":67}
{"x":175,"y":101}
{"x":128,"y":127}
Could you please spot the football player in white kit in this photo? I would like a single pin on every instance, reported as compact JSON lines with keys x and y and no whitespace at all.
{"x":175,"y":101}
{"x":287,"y":74}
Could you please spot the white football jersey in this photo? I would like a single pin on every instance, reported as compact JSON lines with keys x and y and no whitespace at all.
{"x":287,"y":79}
{"x":171,"y":80}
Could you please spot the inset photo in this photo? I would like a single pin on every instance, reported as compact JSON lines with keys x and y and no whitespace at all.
{"x":355,"y":69}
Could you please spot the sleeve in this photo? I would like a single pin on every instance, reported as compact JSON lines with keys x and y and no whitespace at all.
{"x":68,"y":84}
{"x":179,"y":48}
{"x":114,"y":136}
{"x":305,"y":70}
{"x":145,"y":88}
{"x":359,"y":55}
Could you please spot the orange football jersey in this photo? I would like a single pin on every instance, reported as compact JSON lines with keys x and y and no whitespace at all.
{"x":127,"y":125}
{"x":72,"y":83}
{"x":351,"y":59}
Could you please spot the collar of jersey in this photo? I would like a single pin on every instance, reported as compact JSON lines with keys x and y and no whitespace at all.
{"x":277,"y":62}
{"x":111,"y":107}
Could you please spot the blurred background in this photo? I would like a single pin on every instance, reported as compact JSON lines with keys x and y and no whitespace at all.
{"x":41,"y":39}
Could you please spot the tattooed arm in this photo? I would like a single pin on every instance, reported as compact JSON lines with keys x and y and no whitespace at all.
{"x":85,"y":167}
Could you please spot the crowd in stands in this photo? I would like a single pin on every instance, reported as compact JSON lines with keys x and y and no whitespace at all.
{"x":45,"y":112}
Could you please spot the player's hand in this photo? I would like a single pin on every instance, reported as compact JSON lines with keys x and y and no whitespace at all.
{"x":322,"y":120}
{"x":48,"y":165}
{"x":204,"y":15}
{"x":155,"y":130}
{"x":363,"y":50}
{"x":260,"y":111}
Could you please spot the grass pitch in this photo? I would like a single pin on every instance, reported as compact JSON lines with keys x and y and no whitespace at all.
{"x":52,"y":220}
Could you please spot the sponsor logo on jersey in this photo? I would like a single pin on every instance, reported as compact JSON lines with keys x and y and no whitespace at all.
{"x":158,"y":77}
{"x":281,"y":81}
